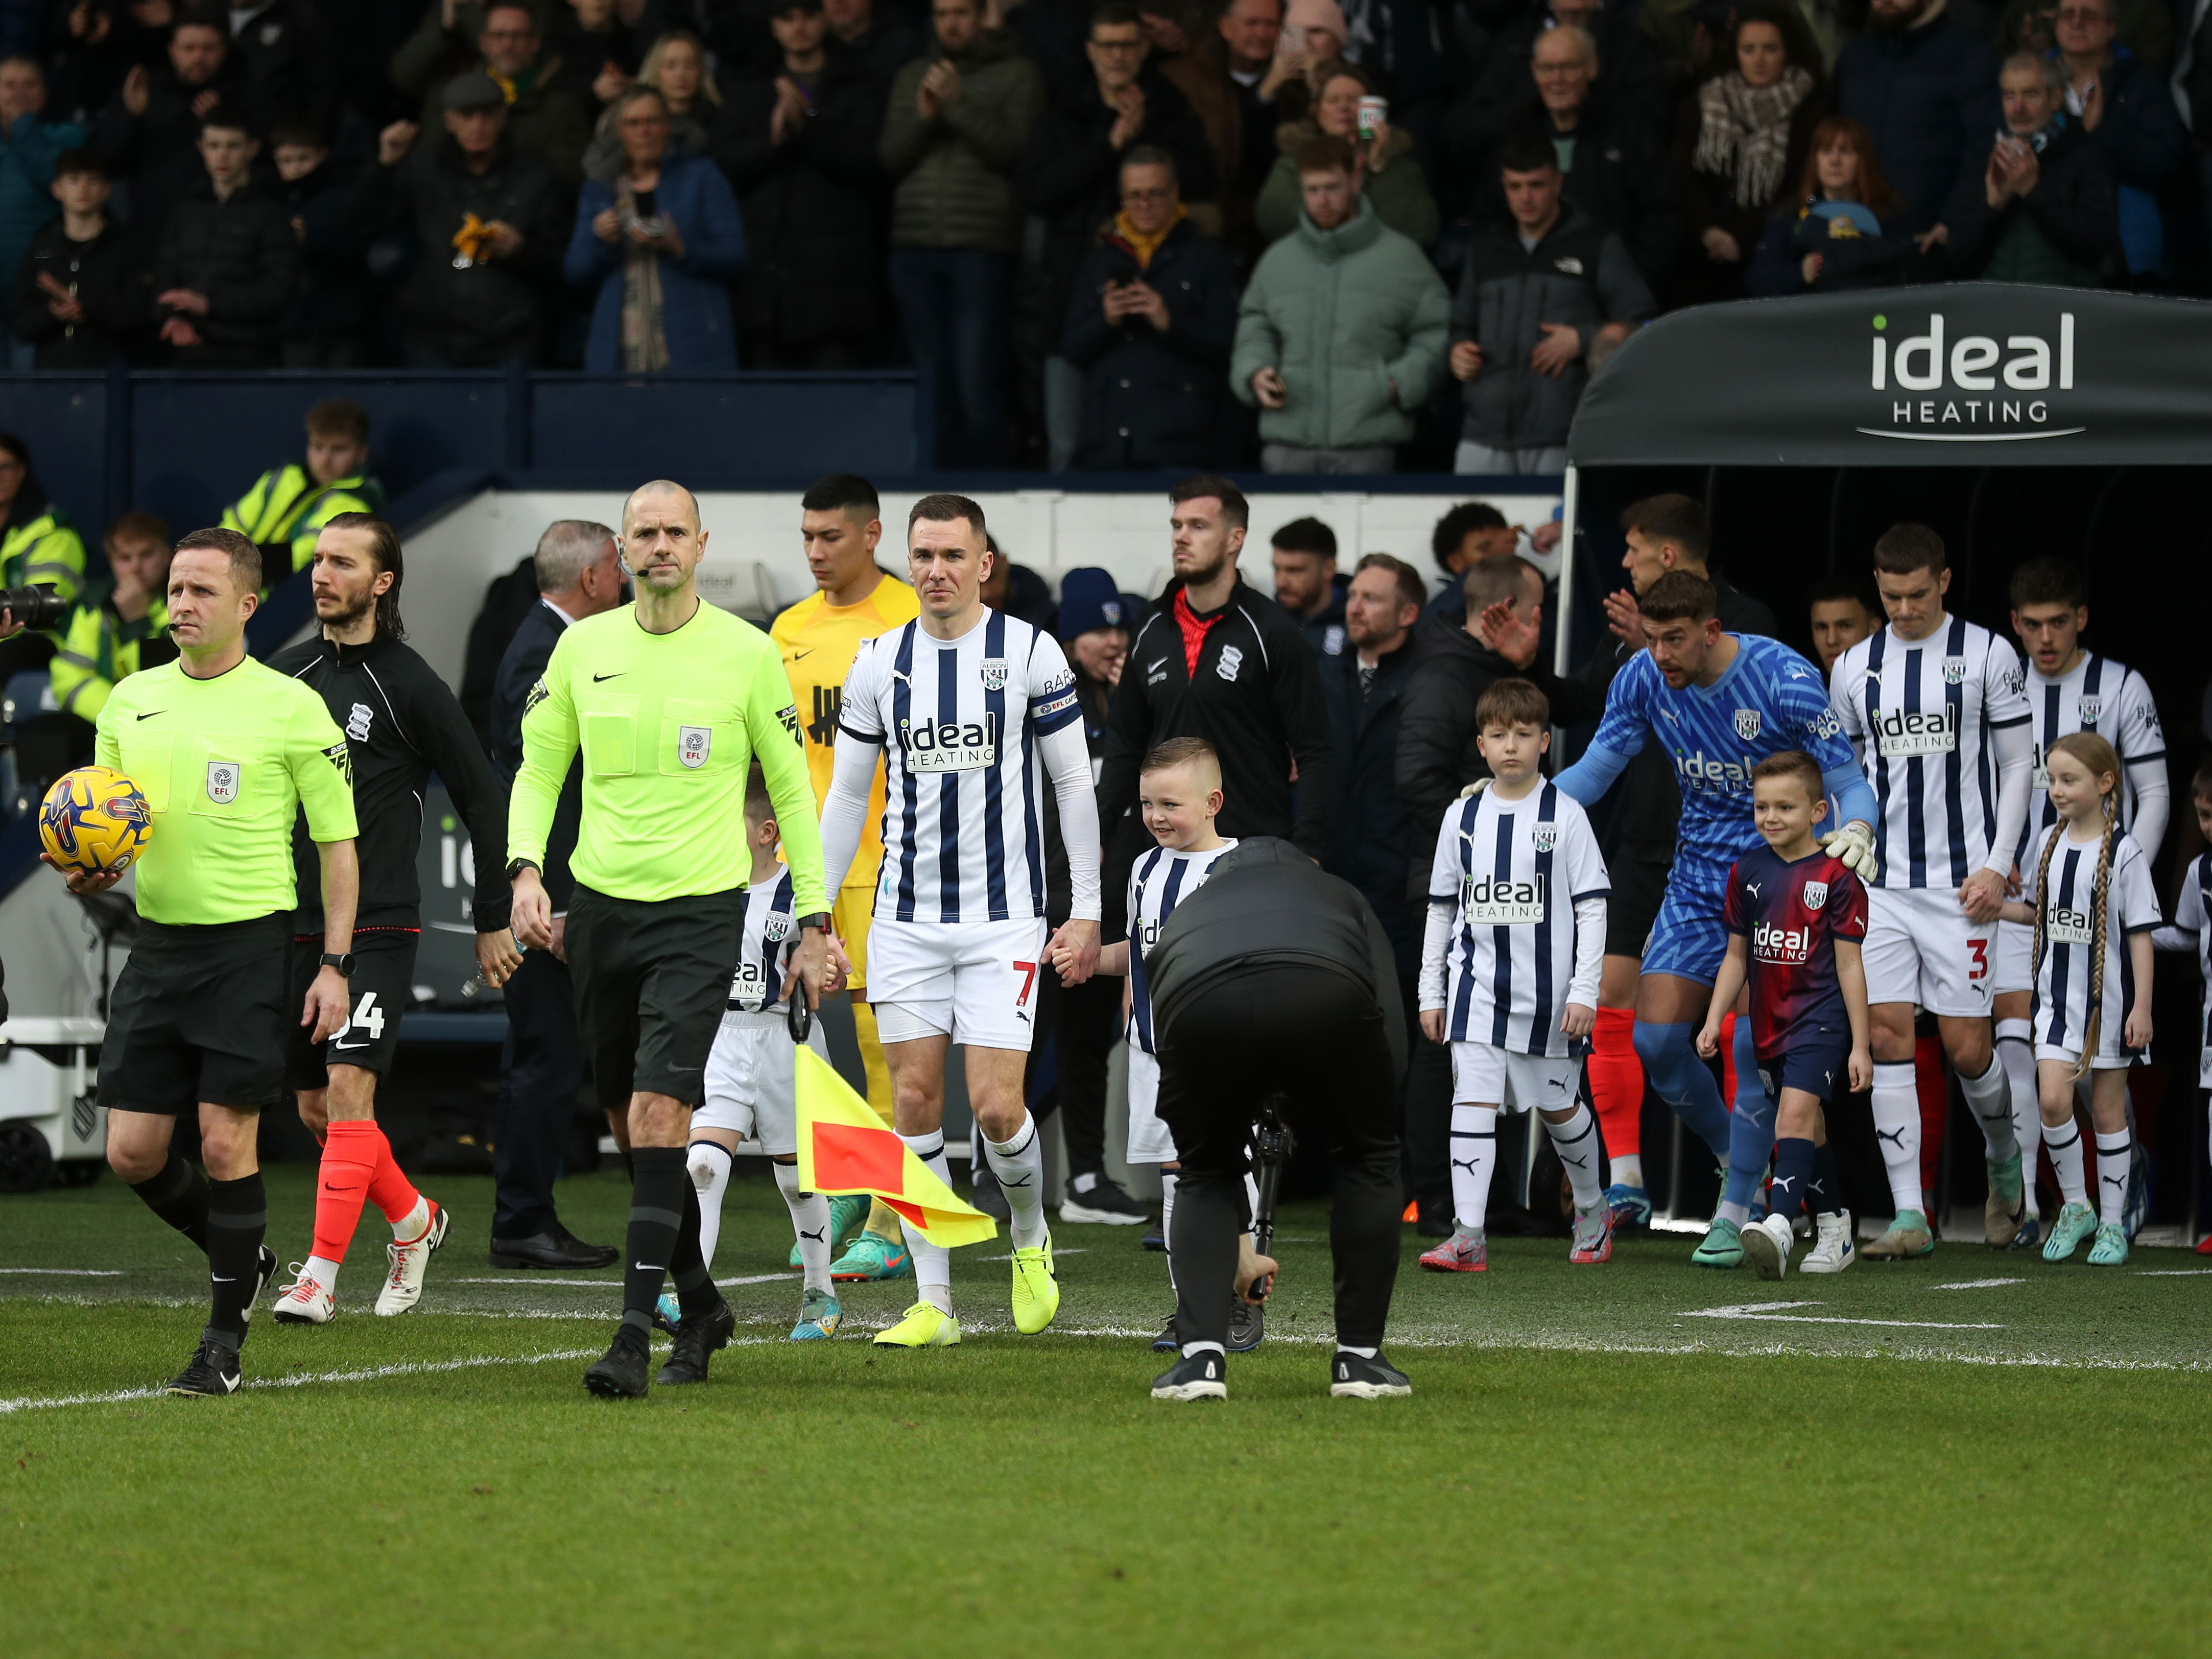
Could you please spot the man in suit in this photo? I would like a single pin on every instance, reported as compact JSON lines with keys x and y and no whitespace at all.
{"x":579,"y":575}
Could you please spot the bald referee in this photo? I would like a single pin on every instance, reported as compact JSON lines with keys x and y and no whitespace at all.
{"x":670,"y":702}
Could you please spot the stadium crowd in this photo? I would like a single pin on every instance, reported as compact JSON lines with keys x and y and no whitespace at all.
{"x":1126,"y":233}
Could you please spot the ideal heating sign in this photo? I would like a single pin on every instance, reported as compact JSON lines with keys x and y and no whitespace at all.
{"x":1972,"y":388}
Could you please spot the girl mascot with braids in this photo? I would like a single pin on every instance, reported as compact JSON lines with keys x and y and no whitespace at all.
{"x":2092,"y":907}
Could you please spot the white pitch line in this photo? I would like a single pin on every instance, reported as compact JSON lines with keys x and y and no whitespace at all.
{"x":616,"y":1284}
{"x":2172,"y":1273}
{"x":1976,"y":1284}
{"x":1768,"y":1313}
{"x":1056,"y":1254}
{"x":70,"y":1273}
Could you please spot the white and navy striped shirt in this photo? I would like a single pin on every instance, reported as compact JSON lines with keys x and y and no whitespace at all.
{"x":1514,"y":872}
{"x":2114,"y":701}
{"x":958,"y":721}
{"x":2062,"y":978}
{"x":1921,"y":714}
{"x":2192,"y":931}
{"x":767,"y":933}
{"x":1158,"y":881}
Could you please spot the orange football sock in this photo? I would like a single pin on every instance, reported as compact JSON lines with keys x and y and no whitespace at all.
{"x":388,"y":1189}
{"x":349,"y":1152}
{"x":1616,"y":1082}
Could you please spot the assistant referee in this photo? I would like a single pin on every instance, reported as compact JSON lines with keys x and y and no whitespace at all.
{"x":225,"y":751}
{"x":670,"y":702}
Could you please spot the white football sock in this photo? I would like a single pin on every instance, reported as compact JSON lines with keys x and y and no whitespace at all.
{"x":323,"y":1271}
{"x":1627,"y":1169}
{"x":2112,"y":1175}
{"x":2016,"y":1054}
{"x":1473,"y":1157}
{"x":2063,"y":1142}
{"x":810,"y":1220}
{"x":708,"y":1163}
{"x":1897,"y":1128}
{"x":1989,"y":1097}
{"x":932,"y":1263}
{"x":411,"y":1227}
{"x":1575,"y":1142}
{"x":1251,"y":1195}
{"x":1168,"y":1183}
{"x":1019,"y":1165}
{"x":1364,"y":1354}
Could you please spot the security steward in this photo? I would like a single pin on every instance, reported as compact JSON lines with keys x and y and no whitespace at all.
{"x":670,"y":702}
{"x":1274,"y":983}
{"x":290,"y":504}
{"x":578,"y":575}
{"x":225,"y":751}
{"x":402,"y":724}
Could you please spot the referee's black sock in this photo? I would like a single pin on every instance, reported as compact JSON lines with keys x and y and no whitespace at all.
{"x":656,"y":1218}
{"x":179,"y":1197}
{"x":237,"y":1219}
{"x":687,"y":1264}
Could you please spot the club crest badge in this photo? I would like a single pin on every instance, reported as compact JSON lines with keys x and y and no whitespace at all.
{"x":1954,"y":671}
{"x":2090,"y":707}
{"x":1816,"y":894}
{"x":994,"y":673}
{"x":776,"y":929}
{"x":1232,"y":658}
{"x":222,"y":782}
{"x":1746,"y":724}
{"x":693,"y":744}
{"x":1544,"y":837}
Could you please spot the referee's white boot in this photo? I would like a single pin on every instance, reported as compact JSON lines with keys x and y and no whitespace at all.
{"x":305,"y":1300}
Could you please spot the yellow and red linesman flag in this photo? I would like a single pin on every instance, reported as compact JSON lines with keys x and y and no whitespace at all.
{"x":843,"y":1147}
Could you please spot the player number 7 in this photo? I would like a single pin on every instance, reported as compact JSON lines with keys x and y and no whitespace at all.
{"x":1028,"y":971}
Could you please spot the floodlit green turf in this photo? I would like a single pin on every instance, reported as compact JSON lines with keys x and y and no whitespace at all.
{"x":1589,"y":1462}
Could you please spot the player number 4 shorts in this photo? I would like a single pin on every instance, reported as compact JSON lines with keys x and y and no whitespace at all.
{"x":381,"y":988}
{"x":1920,"y":948}
{"x":975,"y":982}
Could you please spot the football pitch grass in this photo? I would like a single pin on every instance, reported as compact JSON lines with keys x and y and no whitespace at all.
{"x":1973,"y":1454}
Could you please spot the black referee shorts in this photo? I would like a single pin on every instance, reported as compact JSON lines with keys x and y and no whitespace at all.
{"x":198,"y":1015}
{"x":382,"y":986}
{"x":1637,"y":887}
{"x":653,"y":981}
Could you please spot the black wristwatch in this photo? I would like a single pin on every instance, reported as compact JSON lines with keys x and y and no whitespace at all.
{"x":819,"y":922}
{"x":341,"y":960}
{"x":518,"y":866}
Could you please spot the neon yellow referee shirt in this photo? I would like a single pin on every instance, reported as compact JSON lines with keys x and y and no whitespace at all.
{"x":670,"y":725}
{"x":225,"y":763}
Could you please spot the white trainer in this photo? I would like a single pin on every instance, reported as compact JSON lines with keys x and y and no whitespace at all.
{"x":403,"y":1285}
{"x":1834,"y":1248}
{"x":1766,"y":1244}
{"x":305,"y":1300}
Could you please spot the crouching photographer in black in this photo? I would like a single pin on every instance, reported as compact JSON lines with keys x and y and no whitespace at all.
{"x":1274,"y":987}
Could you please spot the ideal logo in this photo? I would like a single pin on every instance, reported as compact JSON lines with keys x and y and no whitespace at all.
{"x":1729,"y":776}
{"x":1932,"y":732}
{"x":2063,"y":926}
{"x":1501,"y":902}
{"x":1972,"y":364}
{"x":1781,"y":945}
{"x":950,"y":745}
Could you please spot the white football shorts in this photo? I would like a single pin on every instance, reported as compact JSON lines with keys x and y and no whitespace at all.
{"x":974,"y":982}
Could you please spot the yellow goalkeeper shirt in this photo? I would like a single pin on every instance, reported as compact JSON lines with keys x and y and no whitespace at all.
{"x":818,"y":642}
{"x":669,"y":725}
{"x":225,"y":763}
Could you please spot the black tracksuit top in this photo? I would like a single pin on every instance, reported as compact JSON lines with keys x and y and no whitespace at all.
{"x":1255,"y":697}
{"x":402,"y":724}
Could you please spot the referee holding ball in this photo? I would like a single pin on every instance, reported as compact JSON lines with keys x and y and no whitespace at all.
{"x":225,"y":751}
{"x":670,"y":702}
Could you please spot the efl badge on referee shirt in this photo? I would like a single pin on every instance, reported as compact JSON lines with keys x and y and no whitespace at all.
{"x":1746,"y":724}
{"x":222,"y":782}
{"x":1545,"y":837}
{"x":692,"y":745}
{"x":1816,"y":894}
{"x":994,"y":673}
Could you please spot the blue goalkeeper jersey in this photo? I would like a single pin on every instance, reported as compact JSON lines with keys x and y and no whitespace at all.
{"x":1769,"y":700}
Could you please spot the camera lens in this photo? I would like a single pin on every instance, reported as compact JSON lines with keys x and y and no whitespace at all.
{"x":39,"y":609}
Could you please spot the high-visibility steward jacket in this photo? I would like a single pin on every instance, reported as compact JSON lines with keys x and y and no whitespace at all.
{"x":287,"y":510}
{"x":99,"y":646}
{"x":44,"y":548}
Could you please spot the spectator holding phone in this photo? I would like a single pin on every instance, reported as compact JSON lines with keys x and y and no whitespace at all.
{"x":661,"y":245}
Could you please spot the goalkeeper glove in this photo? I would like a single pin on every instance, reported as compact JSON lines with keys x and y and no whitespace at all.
{"x":1852,"y":847}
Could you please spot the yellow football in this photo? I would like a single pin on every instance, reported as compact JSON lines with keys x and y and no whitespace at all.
{"x":94,"y":819}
